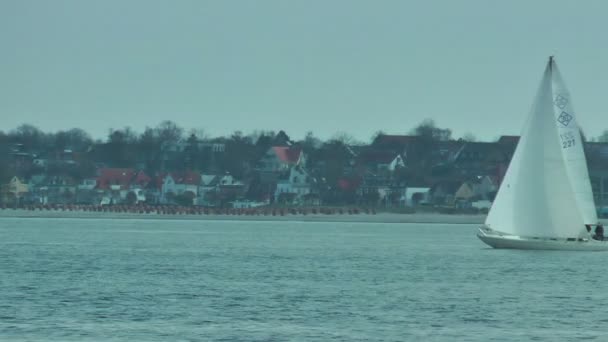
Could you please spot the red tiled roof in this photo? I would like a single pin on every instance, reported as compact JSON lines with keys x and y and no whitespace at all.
{"x":186,"y":177}
{"x":112,"y":176}
{"x":142,"y":179}
{"x":289,"y":155}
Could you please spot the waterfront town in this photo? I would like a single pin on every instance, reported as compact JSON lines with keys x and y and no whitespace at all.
{"x":426,"y":169}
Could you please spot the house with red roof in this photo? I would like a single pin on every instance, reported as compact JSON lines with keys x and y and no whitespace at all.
{"x":115,"y":179}
{"x":281,"y":158}
{"x":117,"y":183}
{"x":141,"y":180}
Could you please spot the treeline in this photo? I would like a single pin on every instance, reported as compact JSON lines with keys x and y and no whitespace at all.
{"x":169,"y":147}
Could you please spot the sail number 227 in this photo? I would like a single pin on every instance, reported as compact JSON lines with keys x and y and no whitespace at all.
{"x":567,"y":139}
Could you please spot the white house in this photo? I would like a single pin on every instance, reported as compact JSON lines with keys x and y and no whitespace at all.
{"x":227,"y":179}
{"x":299,"y":183}
{"x":397,"y":162}
{"x":178,"y":183}
{"x":207,"y":189}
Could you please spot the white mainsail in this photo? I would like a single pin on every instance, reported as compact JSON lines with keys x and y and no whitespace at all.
{"x":546,"y":190}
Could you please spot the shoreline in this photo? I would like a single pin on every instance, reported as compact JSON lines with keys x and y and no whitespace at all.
{"x":381,"y":217}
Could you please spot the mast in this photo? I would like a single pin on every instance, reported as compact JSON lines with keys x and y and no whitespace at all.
{"x":540,"y":192}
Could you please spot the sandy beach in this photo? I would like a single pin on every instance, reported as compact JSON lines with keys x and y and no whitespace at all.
{"x":361,"y":217}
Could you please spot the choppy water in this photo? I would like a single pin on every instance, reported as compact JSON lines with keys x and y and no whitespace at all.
{"x":274,"y":281}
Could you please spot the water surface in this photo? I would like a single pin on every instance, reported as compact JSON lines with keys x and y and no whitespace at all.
{"x":146,"y":280}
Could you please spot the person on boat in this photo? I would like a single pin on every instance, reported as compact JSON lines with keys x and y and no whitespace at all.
{"x":599,"y":233}
{"x":588,"y":227}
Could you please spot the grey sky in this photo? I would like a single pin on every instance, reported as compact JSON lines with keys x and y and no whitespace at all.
{"x":325,"y":66}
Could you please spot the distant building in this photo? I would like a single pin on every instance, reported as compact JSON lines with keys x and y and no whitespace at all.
{"x":178,"y":183}
{"x":281,"y":158}
{"x":13,"y":191}
{"x":296,"y":185}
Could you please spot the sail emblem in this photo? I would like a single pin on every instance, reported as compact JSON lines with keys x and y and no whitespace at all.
{"x":561,"y":101}
{"x":564,"y":118}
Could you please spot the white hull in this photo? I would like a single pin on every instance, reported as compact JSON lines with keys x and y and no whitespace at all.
{"x":497,"y":240}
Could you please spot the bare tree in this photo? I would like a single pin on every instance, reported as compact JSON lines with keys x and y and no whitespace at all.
{"x":429,"y":131}
{"x":169,"y":131}
{"x":28,"y":135}
{"x":346,"y":139}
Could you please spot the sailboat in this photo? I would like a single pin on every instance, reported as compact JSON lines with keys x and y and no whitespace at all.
{"x":545,"y":199}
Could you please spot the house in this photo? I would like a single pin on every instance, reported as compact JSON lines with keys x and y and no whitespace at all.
{"x":465,"y":192}
{"x":38,"y":190}
{"x":475,"y":158}
{"x":87,"y":192}
{"x":485,"y":187}
{"x":446,"y":151}
{"x":281,"y":158}
{"x":115,"y":179}
{"x":295,"y":186}
{"x":380,"y":161}
{"x":61,"y":189}
{"x":479,"y":152}
{"x":380,"y":183}
{"x":477,"y":188}
{"x":88,"y":184}
{"x":124,"y":185}
{"x":13,"y":191}
{"x":141,"y":180}
{"x":229,"y":189}
{"x":443,"y":192}
{"x":179,"y":183}
{"x":375,"y":189}
{"x":219,"y":189}
{"x":142,"y":189}
{"x":207,"y":190}
{"x":114,"y":183}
